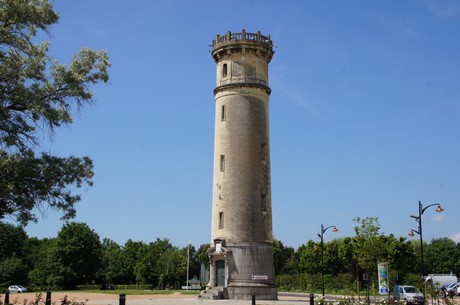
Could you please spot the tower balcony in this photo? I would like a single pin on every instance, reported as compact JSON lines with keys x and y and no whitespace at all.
{"x":230,"y":37}
{"x":241,"y":41}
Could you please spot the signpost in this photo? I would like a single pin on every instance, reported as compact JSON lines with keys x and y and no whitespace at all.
{"x":383,"y":278}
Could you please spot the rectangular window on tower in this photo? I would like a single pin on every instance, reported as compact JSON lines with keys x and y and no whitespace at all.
{"x":222,"y":163}
{"x":263,"y":200}
{"x":222,"y":113}
{"x":221,"y":220}
{"x":263,"y":151}
{"x":224,"y":70}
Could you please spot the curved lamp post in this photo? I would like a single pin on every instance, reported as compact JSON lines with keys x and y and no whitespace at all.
{"x":418,"y":218}
{"x":320,"y":235}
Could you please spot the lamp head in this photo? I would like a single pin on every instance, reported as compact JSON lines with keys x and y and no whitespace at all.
{"x":439,"y":209}
{"x":334,"y":229}
{"x":411,"y":233}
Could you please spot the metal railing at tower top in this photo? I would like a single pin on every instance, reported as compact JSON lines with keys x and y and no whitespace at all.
{"x":243,"y":36}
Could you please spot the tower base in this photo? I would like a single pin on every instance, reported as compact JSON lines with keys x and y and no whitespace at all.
{"x":246,"y":292}
{"x":240,"y":293}
{"x":239,"y":271}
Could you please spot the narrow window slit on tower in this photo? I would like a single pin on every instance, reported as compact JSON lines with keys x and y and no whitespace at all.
{"x":222,"y":163}
{"x":263,"y":149}
{"x":222,"y":113}
{"x":263,"y":199}
{"x":221,"y":220}
{"x":224,"y":70}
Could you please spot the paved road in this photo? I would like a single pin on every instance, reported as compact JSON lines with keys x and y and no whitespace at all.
{"x":284,"y":299}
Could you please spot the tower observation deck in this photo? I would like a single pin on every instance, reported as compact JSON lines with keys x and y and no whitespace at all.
{"x":241,"y":46}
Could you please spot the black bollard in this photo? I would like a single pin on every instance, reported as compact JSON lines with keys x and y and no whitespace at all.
{"x":122,"y":299}
{"x":48,"y":297}
{"x":253,"y":299}
{"x":312,"y":299}
{"x":7,"y":297}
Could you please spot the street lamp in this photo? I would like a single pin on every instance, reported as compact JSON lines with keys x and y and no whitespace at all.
{"x":418,"y":219}
{"x":320,"y":235}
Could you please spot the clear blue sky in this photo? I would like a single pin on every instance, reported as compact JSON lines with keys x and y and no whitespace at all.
{"x":364,"y":115}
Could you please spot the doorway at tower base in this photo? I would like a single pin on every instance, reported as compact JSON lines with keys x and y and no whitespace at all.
{"x":244,"y":269}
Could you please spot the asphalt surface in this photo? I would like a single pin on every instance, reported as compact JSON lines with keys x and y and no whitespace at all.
{"x":283,"y":299}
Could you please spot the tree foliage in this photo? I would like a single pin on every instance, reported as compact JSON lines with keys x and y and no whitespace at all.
{"x":442,"y":256}
{"x":282,"y":257}
{"x":13,"y":268}
{"x":368,"y":244}
{"x":78,"y":257}
{"x":45,"y":266}
{"x":12,"y":241}
{"x":309,"y":258}
{"x":79,"y":249}
{"x":112,"y":269}
{"x":72,"y":258}
{"x":39,"y":94}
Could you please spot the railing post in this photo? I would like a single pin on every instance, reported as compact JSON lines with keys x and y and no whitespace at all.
{"x":122,"y":300}
{"x":7,"y":296}
{"x":48,"y":297}
{"x":312,"y":299}
{"x":253,"y":299}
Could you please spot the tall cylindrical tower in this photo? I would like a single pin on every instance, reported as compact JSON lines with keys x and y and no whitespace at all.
{"x":241,"y":252}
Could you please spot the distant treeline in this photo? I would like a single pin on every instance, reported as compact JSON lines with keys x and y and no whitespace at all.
{"x":78,"y":257}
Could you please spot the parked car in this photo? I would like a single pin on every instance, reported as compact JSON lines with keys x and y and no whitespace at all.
{"x":453,"y":289}
{"x":408,"y":294}
{"x":17,"y":289}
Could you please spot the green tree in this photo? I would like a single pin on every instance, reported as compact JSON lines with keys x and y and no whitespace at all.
{"x":112,"y":270}
{"x":79,"y":251}
{"x":141,"y":273}
{"x":202,"y":255}
{"x":13,"y":267}
{"x":281,"y":257}
{"x":368,"y":247}
{"x":347,"y":250}
{"x":201,"y":264}
{"x":336,"y":257}
{"x":442,"y":256}
{"x":368,"y":244}
{"x":39,"y":94}
{"x":309,"y":258}
{"x":292,"y":264}
{"x":157,"y":250}
{"x":48,"y":270}
{"x":415,"y":244}
{"x":132,"y":254}
{"x":173,"y":266}
{"x":12,"y":240}
{"x":12,"y":270}
{"x":400,"y":255}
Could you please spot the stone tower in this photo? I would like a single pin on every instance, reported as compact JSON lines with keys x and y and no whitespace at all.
{"x":241,"y":251}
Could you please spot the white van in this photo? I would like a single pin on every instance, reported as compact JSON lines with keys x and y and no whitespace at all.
{"x":440,"y":280}
{"x":408,"y":294}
